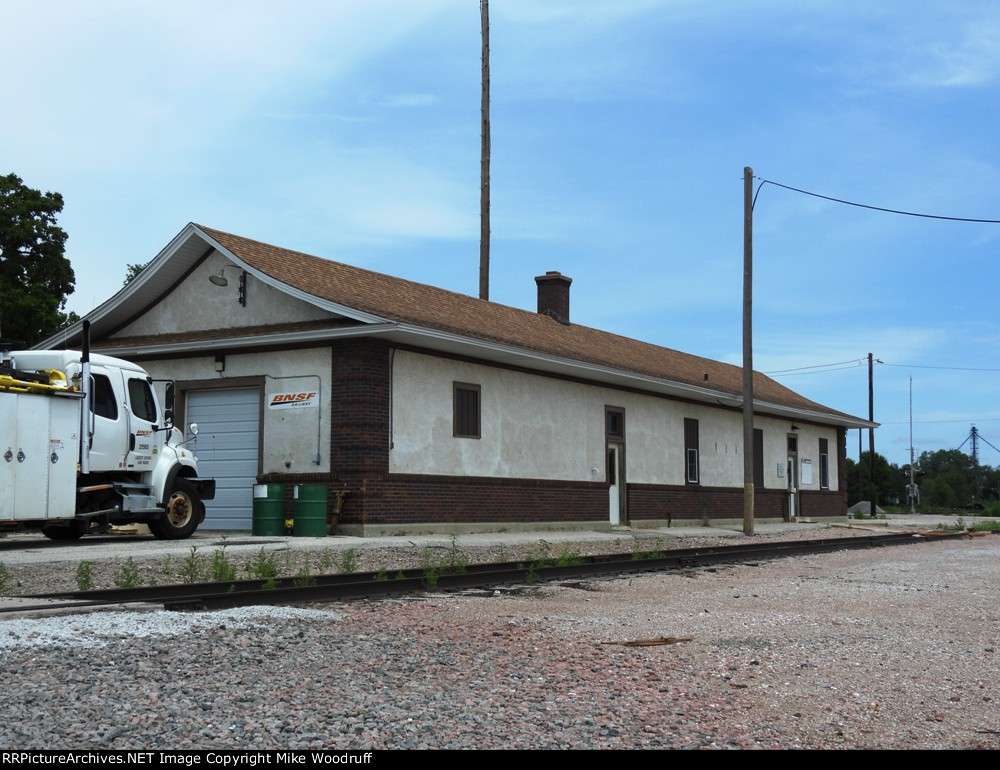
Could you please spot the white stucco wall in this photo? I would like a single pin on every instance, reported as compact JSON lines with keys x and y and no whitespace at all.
{"x":196,"y":303}
{"x":545,"y":428}
{"x":532,"y":427}
{"x":291,"y":437}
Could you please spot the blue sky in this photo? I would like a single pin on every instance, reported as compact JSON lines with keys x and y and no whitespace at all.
{"x":350,"y":130}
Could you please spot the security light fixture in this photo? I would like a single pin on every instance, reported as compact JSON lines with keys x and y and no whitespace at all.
{"x":219,"y":279}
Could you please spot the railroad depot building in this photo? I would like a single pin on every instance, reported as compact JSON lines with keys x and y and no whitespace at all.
{"x":437,"y":411}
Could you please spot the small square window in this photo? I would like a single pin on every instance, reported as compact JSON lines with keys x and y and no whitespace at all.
{"x":614,"y":423}
{"x":467,"y":410}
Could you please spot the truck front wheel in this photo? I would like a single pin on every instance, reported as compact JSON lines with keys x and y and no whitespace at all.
{"x":183,"y":512}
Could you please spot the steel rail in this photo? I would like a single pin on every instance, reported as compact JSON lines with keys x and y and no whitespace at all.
{"x":444,"y":577}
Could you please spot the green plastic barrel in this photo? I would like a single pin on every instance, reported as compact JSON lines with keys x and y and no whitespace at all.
{"x":310,"y":510}
{"x":269,"y":509}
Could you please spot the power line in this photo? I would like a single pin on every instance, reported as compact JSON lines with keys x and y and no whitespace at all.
{"x":936,"y":422}
{"x":878,"y":208}
{"x":840,"y":365}
{"x":947,"y":368}
{"x":821,"y":371}
{"x":853,"y":362}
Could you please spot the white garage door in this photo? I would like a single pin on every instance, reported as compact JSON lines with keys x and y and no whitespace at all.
{"x":227,"y":446}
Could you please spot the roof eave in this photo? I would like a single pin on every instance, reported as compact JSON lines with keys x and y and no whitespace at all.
{"x":622,"y":377}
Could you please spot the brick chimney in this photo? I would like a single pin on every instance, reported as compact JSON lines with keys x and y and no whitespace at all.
{"x":553,"y":295}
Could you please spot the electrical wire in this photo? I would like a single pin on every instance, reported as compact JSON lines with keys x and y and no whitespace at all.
{"x":853,"y":362}
{"x":946,"y":368}
{"x":876,"y":208}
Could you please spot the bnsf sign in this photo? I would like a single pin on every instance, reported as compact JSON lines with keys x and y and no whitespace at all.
{"x":291,"y":400}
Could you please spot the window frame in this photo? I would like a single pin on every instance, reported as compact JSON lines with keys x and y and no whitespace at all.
{"x":616,"y":413}
{"x":462,"y":413}
{"x":692,"y":457}
{"x":141,"y":401}
{"x":824,"y":464}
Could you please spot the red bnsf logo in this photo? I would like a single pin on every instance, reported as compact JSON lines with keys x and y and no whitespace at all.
{"x":288,"y":400}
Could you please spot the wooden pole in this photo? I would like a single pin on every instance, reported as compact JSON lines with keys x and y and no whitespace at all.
{"x":871,"y":437}
{"x":484,"y":165}
{"x":748,"y":459}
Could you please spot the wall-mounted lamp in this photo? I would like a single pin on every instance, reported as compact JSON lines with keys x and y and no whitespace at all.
{"x":220,"y":364}
{"x":219,"y":279}
{"x":794,"y":426}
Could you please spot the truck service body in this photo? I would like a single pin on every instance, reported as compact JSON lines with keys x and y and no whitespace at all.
{"x":85,"y":444}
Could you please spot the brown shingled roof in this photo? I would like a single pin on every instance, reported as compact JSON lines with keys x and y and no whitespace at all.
{"x":404,"y":301}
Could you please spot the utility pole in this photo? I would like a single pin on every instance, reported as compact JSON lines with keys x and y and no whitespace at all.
{"x":748,"y":459}
{"x":912,"y":490}
{"x":484,"y":165}
{"x":871,"y":437}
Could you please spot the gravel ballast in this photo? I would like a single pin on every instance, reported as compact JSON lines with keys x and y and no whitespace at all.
{"x":890,"y":648}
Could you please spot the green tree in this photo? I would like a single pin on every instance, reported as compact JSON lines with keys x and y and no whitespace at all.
{"x":132,"y":272}
{"x":889,"y":481}
{"x":952,"y":478}
{"x":35,"y":276}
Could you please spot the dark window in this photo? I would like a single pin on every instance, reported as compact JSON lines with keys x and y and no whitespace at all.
{"x":824,"y":464}
{"x":467,"y":410}
{"x":103,"y":402}
{"x":140,"y":399}
{"x":758,"y":458}
{"x":614,"y":423}
{"x":691,"y":474}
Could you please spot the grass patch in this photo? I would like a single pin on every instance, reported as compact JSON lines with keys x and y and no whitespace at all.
{"x":7,"y":580}
{"x":262,"y":567}
{"x":221,"y":569}
{"x":127,"y":575}
{"x":85,"y":575}
{"x":349,"y":561}
{"x":452,"y":562}
{"x":193,"y":568}
{"x":639,"y":554}
{"x":325,"y":561}
{"x":304,"y":577}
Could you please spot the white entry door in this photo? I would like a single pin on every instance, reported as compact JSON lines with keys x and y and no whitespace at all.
{"x":793,"y":487}
{"x":615,"y":484}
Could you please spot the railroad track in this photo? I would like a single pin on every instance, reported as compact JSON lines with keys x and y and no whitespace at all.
{"x":371,"y":585}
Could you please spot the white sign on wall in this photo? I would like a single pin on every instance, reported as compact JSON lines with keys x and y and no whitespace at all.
{"x":807,"y":472}
{"x":305,"y":399}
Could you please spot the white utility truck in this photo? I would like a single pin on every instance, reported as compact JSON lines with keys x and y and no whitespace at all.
{"x":84,"y":445}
